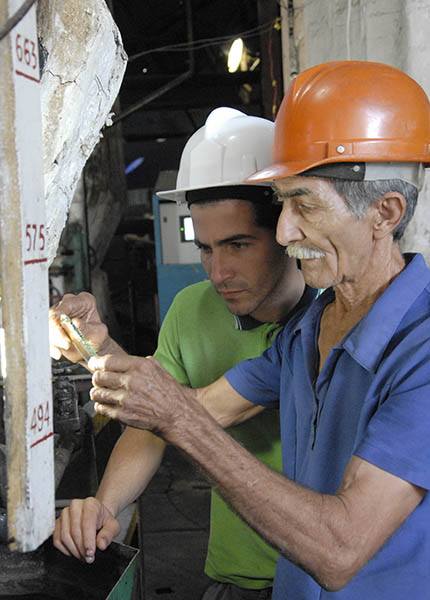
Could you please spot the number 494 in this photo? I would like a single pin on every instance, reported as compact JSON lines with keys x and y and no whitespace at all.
{"x":40,"y":417}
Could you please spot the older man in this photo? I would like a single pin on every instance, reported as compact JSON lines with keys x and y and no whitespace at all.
{"x":351,"y":374}
{"x":211,"y":326}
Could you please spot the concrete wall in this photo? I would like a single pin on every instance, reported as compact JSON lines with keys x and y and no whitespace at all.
{"x":83,"y":65}
{"x":396,"y":32}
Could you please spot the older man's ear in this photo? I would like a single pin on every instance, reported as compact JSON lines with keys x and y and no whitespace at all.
{"x":389,"y":213}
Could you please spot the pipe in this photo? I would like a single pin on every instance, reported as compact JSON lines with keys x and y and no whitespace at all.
{"x":62,"y":456}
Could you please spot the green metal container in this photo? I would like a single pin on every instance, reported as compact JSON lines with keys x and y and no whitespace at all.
{"x":50,"y":575}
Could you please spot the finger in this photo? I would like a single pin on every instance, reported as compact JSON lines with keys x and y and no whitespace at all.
{"x":109,"y":380}
{"x":66,"y":535}
{"x":55,"y":353}
{"x":57,"y":539}
{"x":74,"y":305}
{"x":107,"y":533}
{"x":114,"y":398}
{"x":118,"y":363}
{"x":76,"y":512}
{"x":106,"y":410}
{"x":58,"y":337}
{"x":92,"y":519}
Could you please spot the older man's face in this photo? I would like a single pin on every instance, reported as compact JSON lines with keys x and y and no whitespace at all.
{"x":315,"y":225}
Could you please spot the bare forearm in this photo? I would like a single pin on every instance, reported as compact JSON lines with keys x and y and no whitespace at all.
{"x":330,"y":536}
{"x":134,"y":460}
{"x":224,"y":404}
{"x":287,"y":515}
{"x":325,"y":535}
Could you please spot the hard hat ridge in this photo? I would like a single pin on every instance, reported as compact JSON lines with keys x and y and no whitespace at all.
{"x":350,"y":111}
{"x":224,"y":152}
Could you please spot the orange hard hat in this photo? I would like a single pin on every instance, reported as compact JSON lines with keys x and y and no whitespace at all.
{"x":349,"y":111}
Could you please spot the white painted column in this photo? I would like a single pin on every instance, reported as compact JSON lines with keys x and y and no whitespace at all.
{"x":26,"y":366}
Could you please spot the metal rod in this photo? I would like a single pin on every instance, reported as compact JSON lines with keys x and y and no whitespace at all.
{"x":16,"y":18}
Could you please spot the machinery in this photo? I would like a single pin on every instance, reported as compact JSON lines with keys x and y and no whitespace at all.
{"x":45,"y":572}
{"x":177,"y":257}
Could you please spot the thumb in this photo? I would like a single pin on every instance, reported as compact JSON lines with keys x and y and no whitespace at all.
{"x":107,"y":533}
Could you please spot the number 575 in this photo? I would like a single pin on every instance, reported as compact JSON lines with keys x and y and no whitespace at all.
{"x":35,"y":237}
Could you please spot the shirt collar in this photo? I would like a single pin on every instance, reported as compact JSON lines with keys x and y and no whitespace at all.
{"x":246,"y":322}
{"x":368,"y":340}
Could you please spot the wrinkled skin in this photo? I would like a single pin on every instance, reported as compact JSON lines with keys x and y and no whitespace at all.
{"x":140,"y":393}
{"x":82,"y":309}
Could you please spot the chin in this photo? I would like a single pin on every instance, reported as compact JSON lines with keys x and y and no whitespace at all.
{"x":239,"y":311}
{"x":317,"y":278}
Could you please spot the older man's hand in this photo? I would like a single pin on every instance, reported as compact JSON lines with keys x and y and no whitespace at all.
{"x":82,"y":308}
{"x":140,"y":393}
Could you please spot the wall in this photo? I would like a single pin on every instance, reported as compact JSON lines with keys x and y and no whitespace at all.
{"x":396,"y":32}
{"x":83,"y":65}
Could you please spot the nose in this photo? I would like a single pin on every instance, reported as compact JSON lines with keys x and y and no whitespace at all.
{"x":220,"y":268}
{"x":288,"y":229}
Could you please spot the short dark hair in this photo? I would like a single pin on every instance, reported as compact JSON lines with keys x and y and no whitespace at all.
{"x":360,"y":195}
{"x":266,"y":215}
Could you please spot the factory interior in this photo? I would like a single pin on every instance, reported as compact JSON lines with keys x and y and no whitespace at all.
{"x":121,"y":86}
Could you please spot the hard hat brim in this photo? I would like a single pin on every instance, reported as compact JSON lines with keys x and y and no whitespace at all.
{"x":179,"y":196}
{"x":279,"y":171}
{"x":284,"y":170}
{"x":411,"y":172}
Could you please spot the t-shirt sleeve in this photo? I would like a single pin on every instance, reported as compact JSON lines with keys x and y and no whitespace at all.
{"x":258,"y":379}
{"x":397,"y":437}
{"x":168,"y":352}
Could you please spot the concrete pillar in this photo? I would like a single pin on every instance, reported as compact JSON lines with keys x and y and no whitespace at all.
{"x":84,"y":63}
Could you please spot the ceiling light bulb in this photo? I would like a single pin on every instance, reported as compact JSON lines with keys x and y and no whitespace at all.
{"x":235,"y":55}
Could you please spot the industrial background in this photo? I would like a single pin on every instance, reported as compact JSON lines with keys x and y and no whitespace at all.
{"x":123,"y":85}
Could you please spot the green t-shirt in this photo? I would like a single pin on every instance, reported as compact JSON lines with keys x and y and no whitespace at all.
{"x":198,"y":342}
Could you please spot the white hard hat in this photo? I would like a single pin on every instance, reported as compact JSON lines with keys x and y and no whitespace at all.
{"x":229,"y":147}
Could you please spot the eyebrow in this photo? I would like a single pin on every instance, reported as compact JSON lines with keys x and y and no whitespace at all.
{"x":229,"y":240}
{"x":293,"y":193}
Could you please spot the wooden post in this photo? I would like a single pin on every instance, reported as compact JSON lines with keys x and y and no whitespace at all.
{"x":25,"y":362}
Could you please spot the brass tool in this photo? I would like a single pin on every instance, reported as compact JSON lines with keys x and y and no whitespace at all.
{"x":77,"y":338}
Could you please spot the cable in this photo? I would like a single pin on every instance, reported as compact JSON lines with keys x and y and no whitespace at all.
{"x":348,"y":31}
{"x":272,"y":70}
{"x":16,"y":18}
{"x":204,"y":43}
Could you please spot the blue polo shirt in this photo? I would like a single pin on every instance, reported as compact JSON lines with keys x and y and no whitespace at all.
{"x":372,"y":399}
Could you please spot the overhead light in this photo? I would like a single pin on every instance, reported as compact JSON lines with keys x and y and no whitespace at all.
{"x":235,"y":55}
